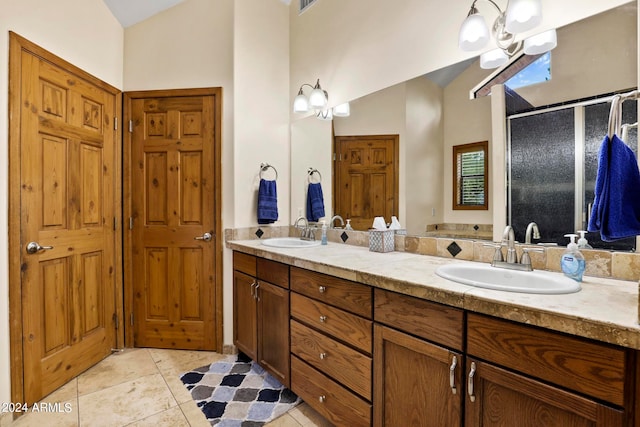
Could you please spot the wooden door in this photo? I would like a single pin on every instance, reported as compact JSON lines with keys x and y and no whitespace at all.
{"x":273,"y":330}
{"x":500,"y":398}
{"x":366,"y":178}
{"x":245,"y":323}
{"x":67,"y":206}
{"x":175,"y":218}
{"x":413,"y":382}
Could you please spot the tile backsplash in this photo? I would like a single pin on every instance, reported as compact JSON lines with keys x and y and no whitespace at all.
{"x":600,"y":263}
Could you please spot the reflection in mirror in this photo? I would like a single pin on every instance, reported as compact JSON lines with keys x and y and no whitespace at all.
{"x":552,"y":150}
{"x":470,"y":166}
{"x":433,"y":113}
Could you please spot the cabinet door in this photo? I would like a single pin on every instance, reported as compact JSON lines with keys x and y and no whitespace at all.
{"x":245,"y":335}
{"x":416,"y":382}
{"x":497,"y":397}
{"x":273,"y":331}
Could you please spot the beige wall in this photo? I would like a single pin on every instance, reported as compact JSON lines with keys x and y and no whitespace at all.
{"x":310,"y":148}
{"x":95,"y":45}
{"x":465,"y":121}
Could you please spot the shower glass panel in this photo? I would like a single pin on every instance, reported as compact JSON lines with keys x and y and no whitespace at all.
{"x":596,"y":122}
{"x":542,"y":174}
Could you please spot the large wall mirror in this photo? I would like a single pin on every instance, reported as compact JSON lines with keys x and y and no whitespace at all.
{"x":433,"y":113}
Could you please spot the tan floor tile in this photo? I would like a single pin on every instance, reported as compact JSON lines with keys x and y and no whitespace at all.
{"x":284,"y":421}
{"x":65,"y":415}
{"x":308,"y":417}
{"x":125,"y":403}
{"x":66,"y":393}
{"x":180,"y":361}
{"x":170,"y":418}
{"x":117,"y":369}
{"x":177,"y":388}
{"x":194,"y":415}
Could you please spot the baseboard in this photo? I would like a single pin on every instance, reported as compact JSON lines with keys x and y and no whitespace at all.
{"x":229,"y":349}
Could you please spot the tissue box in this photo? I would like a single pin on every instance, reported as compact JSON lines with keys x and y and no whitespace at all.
{"x":382,"y":240}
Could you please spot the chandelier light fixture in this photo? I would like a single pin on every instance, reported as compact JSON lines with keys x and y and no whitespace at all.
{"x":317,"y":101}
{"x":519,"y":16}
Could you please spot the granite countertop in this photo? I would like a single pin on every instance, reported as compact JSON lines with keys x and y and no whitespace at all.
{"x":605,"y":309}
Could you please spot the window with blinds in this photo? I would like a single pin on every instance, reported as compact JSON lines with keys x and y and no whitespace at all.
{"x":470,"y":162}
{"x":304,"y":4}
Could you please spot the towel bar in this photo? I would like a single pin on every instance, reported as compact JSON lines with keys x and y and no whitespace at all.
{"x":311,"y":171}
{"x":265,"y":166}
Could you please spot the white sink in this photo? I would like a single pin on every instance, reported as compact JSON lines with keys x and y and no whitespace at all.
{"x":290,"y":242}
{"x":486,"y":276}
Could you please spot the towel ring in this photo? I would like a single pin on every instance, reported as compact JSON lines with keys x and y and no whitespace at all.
{"x":311,"y":171}
{"x":264,"y":167}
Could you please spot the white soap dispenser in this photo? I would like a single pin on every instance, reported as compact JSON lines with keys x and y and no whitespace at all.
{"x":572,"y":261}
{"x":348,"y":226}
{"x":582,"y":241}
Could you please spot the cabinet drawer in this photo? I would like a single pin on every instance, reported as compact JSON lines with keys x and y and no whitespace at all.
{"x":340,"y":324}
{"x":345,"y":365}
{"x":350,"y":296}
{"x":245,"y":263}
{"x":597,"y":370}
{"x":273,"y":272}
{"x":330,"y":399}
{"x":431,"y":321}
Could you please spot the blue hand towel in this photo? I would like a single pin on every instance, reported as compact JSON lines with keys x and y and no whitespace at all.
{"x":267,"y":202}
{"x":315,"y":202}
{"x":616,"y":208}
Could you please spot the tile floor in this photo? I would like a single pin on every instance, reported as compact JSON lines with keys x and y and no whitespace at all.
{"x":141,"y":387}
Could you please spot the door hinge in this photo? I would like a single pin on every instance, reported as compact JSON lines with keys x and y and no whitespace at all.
{"x":130,"y":126}
{"x":131,"y":319}
{"x":115,"y":223}
{"x":130,"y":223}
{"x":334,"y":157}
{"x":116,"y":320}
{"x":115,"y":123}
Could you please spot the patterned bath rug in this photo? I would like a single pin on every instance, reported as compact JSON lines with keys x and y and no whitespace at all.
{"x":236,"y":392}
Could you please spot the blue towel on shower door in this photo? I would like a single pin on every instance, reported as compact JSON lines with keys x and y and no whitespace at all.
{"x":267,"y":202}
{"x":315,"y":202}
{"x":616,"y":208}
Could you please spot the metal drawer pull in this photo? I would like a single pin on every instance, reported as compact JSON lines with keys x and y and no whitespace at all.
{"x":253,"y":291}
{"x":322,"y":289}
{"x":323,"y":319}
{"x":323,"y":356}
{"x":34,"y":248}
{"x":322,"y":398}
{"x":472,"y":372}
{"x":452,"y":375}
{"x":257,"y":297}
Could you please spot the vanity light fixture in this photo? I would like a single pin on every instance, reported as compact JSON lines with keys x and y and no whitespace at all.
{"x":317,"y":101}
{"x":519,"y":16}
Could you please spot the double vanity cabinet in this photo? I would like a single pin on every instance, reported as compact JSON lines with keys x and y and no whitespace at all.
{"x":362,"y":355}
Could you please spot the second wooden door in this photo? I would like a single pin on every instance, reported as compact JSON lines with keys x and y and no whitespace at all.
{"x":174,"y":218}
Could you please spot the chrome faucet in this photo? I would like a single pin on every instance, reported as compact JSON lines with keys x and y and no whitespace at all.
{"x":509,"y":236}
{"x":531,"y":228}
{"x":333,"y":218}
{"x":306,"y":233}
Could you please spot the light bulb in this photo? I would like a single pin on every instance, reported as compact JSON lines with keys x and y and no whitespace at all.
{"x":493,"y":59}
{"x":342,"y":110}
{"x":523,"y":15}
{"x":474,"y":33}
{"x":541,"y":43}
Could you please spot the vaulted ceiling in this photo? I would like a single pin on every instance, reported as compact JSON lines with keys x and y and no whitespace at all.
{"x":130,"y":12}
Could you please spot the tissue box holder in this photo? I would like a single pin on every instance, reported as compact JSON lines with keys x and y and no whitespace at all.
{"x":382,"y":240}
